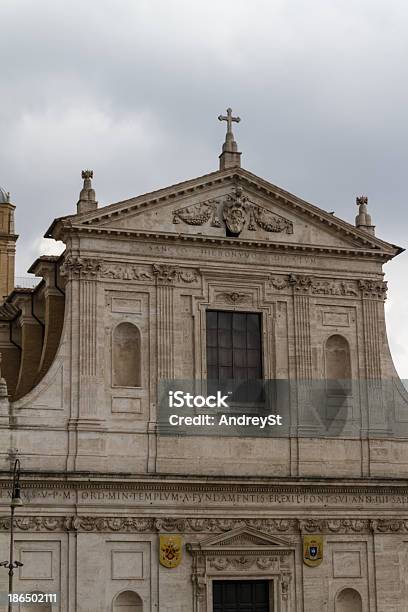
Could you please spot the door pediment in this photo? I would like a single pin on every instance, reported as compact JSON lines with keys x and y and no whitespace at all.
{"x":241,"y":538}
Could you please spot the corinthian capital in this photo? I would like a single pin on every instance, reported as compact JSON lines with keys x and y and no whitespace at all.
{"x":373,"y":289}
{"x":76,"y":267}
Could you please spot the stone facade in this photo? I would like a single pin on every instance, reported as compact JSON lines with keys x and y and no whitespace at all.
{"x":123,"y":308}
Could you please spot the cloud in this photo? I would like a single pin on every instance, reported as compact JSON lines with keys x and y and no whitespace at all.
{"x":133,"y":89}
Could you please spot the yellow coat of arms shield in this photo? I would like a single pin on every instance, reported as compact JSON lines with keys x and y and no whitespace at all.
{"x":170,"y":550}
{"x":312,"y":550}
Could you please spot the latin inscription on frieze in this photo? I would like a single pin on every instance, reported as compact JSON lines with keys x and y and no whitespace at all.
{"x":214,"y":253}
{"x":150,"y":498}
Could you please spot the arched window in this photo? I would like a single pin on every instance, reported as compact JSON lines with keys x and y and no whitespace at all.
{"x":349,"y":600}
{"x":128,"y":601}
{"x":126,"y":356}
{"x":338,"y":365}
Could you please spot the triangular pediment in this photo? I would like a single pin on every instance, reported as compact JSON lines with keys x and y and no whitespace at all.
{"x":231,"y":204}
{"x":243,"y":537}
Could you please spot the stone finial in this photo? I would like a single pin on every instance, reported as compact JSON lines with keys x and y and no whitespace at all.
{"x":87,"y":200}
{"x":230,"y":156}
{"x":3,"y":384}
{"x":87,"y":174}
{"x":363,"y":219}
{"x":361,"y":200}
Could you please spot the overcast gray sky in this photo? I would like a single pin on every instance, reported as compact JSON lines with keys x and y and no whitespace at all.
{"x":132,"y":89}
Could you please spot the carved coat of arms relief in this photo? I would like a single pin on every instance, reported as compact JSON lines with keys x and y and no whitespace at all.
{"x":237,"y":212}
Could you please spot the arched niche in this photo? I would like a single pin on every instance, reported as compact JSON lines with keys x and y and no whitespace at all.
{"x":126,"y":356}
{"x":349,"y":600}
{"x":337,"y":365}
{"x":127,"y":601}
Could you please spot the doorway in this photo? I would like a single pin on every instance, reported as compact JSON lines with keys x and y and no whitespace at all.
{"x":241,"y":596}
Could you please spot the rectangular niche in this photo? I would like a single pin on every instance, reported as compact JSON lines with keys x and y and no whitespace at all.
{"x":132,"y":405}
{"x":127,"y":565}
{"x":42,"y":561}
{"x":127,"y":305}
{"x":129,"y":560}
{"x":37,"y":564}
{"x":347,"y":564}
{"x":336,"y":319}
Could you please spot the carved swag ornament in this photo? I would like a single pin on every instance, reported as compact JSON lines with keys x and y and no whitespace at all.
{"x":234,"y":297}
{"x":133,"y":524}
{"x":199,"y":214}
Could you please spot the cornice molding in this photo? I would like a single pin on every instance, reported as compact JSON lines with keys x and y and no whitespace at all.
{"x":283,"y":247}
{"x":364,"y":488}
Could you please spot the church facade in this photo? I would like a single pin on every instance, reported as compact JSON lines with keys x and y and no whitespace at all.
{"x":223,"y":276}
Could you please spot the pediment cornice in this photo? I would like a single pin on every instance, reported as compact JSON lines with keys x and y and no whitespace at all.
{"x":92,"y":221}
